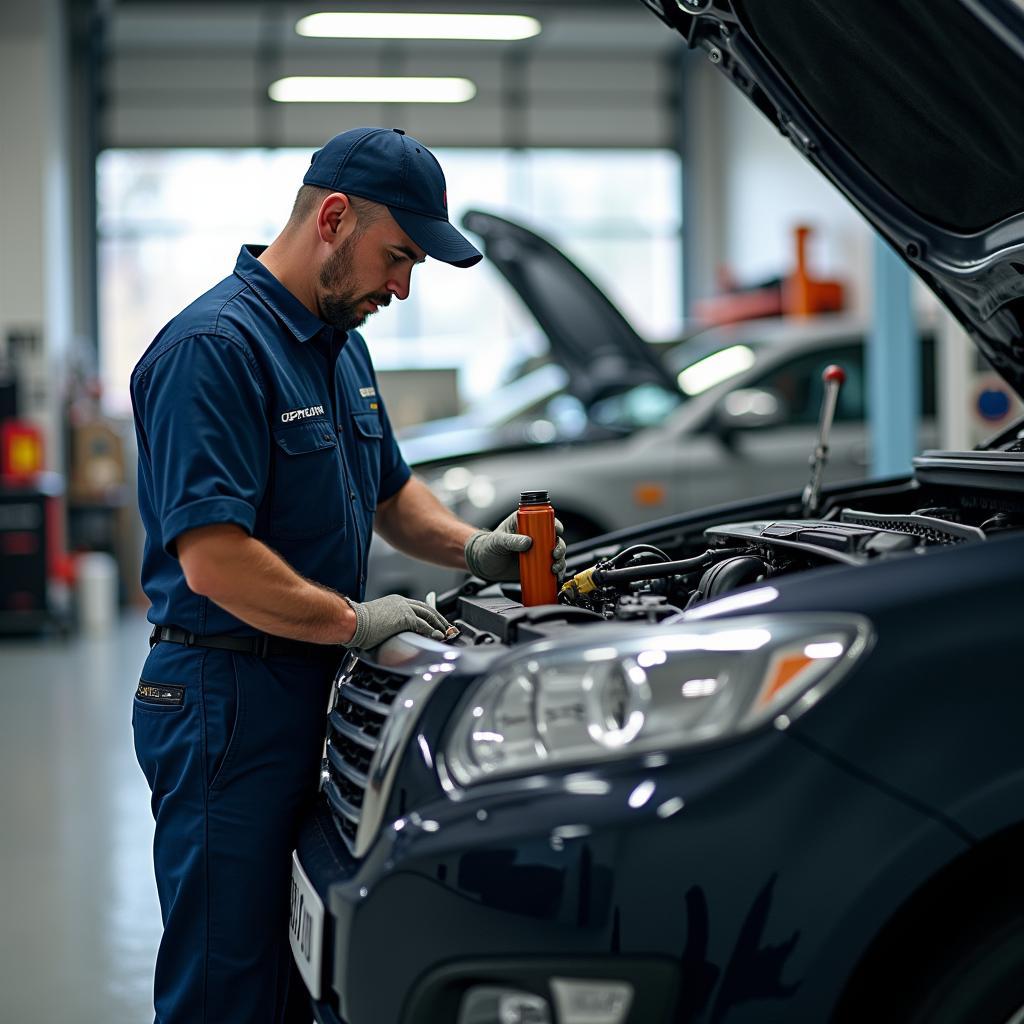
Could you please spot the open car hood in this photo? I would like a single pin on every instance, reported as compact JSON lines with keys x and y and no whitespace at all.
{"x":914,"y":109}
{"x":588,"y":335}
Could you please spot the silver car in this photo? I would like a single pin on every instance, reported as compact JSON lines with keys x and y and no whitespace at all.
{"x":741,"y":423}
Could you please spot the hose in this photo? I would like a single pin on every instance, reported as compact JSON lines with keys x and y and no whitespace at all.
{"x":611,"y":577}
{"x":633,"y":551}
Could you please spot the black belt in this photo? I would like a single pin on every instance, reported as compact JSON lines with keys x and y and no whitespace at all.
{"x":263,"y":645}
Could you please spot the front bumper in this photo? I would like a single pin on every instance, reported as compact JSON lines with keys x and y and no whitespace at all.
{"x":743,"y":887}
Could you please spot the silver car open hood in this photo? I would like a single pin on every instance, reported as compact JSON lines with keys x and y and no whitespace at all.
{"x":914,"y":109}
{"x":598,"y":347}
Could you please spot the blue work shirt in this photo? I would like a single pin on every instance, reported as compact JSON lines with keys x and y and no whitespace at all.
{"x":250,"y":410}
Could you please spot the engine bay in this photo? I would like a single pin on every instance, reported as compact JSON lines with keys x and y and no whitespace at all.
{"x":666,"y":570}
{"x":674,"y":565}
{"x":671,"y":566}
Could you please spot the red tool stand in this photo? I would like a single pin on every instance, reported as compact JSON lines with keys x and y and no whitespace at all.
{"x":34,"y":584}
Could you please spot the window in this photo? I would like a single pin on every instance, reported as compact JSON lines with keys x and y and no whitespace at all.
{"x":171,"y":223}
{"x":798,"y":383}
{"x":646,"y":405}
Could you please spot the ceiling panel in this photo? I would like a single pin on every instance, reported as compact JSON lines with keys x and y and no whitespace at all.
{"x":216,"y":60}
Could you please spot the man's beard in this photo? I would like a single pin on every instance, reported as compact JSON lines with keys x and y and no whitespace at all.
{"x":338,"y":306}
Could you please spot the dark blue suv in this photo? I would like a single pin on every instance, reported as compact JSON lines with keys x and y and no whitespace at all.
{"x":762,"y":763}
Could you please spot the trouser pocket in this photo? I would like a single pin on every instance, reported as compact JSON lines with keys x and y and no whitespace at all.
{"x":224,"y":714}
{"x":165,"y":718}
{"x":160,"y":696}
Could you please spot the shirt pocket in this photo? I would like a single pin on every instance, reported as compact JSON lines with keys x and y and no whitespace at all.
{"x":369,"y":434}
{"x":308,"y":491}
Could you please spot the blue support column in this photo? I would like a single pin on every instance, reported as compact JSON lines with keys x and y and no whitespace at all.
{"x":893,"y":367}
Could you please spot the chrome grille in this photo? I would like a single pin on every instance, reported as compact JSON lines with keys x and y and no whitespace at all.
{"x":362,"y":704}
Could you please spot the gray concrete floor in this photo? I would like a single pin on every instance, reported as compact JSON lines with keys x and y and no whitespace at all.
{"x":79,"y":919}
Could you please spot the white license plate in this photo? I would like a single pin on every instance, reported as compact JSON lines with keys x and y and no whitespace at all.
{"x":306,"y":927}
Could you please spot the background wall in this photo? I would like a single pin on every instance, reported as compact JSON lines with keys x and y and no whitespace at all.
{"x":749,"y":188}
{"x":768,"y":189}
{"x":35,"y":167}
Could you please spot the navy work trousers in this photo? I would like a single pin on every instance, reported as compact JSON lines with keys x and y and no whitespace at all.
{"x":232,"y":759}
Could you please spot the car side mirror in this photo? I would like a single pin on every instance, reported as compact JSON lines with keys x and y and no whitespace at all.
{"x":749,"y":409}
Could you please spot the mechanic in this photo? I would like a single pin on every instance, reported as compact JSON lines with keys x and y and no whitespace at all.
{"x":265,"y":459}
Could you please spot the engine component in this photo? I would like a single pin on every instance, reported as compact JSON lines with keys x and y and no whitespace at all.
{"x":636,"y":552}
{"x":728,"y":575}
{"x":1000,"y":521}
{"x":855,"y":538}
{"x":604,"y":575}
{"x":833,"y":378}
{"x":931,"y":528}
{"x":648,"y":607}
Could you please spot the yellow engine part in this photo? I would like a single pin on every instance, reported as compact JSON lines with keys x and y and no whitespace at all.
{"x":581,"y":583}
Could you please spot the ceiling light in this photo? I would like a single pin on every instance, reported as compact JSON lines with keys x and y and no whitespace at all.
{"x":419,"y":26}
{"x":372,"y":90}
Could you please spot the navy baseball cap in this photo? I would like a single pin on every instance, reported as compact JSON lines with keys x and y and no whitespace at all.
{"x":389,"y":167}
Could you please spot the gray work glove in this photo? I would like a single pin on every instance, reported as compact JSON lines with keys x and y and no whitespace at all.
{"x":494,"y":554}
{"x":377,"y":620}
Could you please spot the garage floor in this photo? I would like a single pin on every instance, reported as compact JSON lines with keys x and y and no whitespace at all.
{"x":79,"y":919}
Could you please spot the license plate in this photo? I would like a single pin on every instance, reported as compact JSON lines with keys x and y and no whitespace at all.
{"x":306,"y":927}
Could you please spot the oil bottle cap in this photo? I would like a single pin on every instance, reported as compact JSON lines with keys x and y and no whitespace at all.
{"x":533,"y":497}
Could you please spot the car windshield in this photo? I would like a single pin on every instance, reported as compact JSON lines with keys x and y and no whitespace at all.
{"x":520,"y":396}
{"x":699,"y":363}
{"x":541,"y":395}
{"x":702,"y":362}
{"x":646,"y":405}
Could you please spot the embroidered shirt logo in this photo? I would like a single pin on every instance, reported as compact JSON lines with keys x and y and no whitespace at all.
{"x":302,"y":414}
{"x":367,"y":392}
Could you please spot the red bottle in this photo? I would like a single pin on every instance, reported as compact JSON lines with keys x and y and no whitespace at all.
{"x":536,"y":519}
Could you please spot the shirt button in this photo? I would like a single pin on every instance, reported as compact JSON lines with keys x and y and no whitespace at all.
{"x":352,"y":495}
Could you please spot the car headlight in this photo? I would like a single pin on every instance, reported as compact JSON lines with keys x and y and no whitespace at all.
{"x":649,"y":689}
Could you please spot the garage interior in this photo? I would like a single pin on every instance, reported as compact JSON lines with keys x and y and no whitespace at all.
{"x":142,"y":147}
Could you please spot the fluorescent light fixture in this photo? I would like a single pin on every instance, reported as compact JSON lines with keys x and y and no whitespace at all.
{"x":502,"y":27}
{"x":372,"y":90}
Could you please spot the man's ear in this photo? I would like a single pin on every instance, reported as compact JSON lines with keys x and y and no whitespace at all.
{"x":336,"y":219}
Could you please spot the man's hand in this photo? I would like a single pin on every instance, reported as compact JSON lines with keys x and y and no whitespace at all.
{"x":377,"y":620}
{"x":494,"y":554}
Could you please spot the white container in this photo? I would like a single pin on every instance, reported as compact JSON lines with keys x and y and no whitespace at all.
{"x":97,"y":592}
